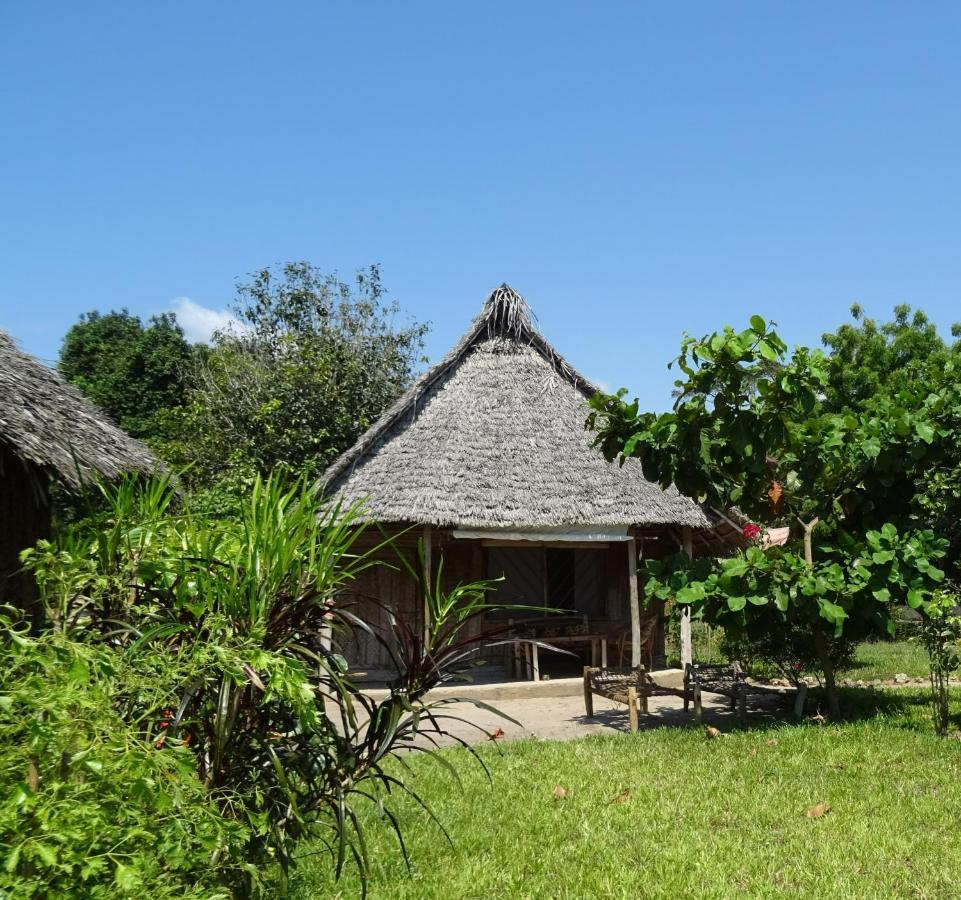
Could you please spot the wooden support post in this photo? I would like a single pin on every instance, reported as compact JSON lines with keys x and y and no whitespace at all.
{"x":687,"y":655}
{"x":635,"y":603}
{"x":428,"y":577}
{"x":632,"y":707}
{"x":588,"y":695}
{"x":799,"y":701}
{"x":326,"y":633}
{"x":742,"y":704}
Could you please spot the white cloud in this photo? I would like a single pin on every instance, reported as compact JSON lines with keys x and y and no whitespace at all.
{"x":200,"y":322}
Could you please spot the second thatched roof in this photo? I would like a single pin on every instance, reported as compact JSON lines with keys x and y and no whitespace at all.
{"x":493,"y":437}
{"x":46,"y":422}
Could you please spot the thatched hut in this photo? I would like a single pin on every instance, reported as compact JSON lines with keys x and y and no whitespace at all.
{"x":48,"y":432}
{"x":486,"y":459}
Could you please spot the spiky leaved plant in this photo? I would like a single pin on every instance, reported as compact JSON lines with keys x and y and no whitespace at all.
{"x":237,"y":613}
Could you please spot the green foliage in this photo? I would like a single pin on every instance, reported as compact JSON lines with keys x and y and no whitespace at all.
{"x":869,"y":360}
{"x":941,"y":636}
{"x":738,"y":428}
{"x":784,"y":650}
{"x":749,"y":428}
{"x":707,"y":642}
{"x":730,"y":410}
{"x":316,"y":362}
{"x":237,"y":619}
{"x":892,"y":566}
{"x":852,"y":588}
{"x":90,"y":806}
{"x":888,"y":368}
{"x":135,"y":373}
{"x":936,"y":497}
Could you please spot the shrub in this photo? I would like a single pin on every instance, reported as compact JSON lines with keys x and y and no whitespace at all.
{"x":785,"y":650}
{"x":940,"y":632}
{"x":229,"y":624}
{"x":90,"y":806}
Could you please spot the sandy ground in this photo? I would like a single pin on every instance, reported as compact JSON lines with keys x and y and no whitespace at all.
{"x":563,"y":718}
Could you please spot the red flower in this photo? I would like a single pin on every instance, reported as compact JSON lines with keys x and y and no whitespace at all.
{"x":751,"y":531}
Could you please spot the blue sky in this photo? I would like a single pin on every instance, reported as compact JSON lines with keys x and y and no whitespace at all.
{"x":635,"y":170}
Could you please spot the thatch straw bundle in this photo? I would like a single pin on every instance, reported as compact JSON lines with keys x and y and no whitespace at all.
{"x":46,"y":422}
{"x":493,"y":437}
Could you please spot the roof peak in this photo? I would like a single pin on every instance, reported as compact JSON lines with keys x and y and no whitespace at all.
{"x":507,"y":313}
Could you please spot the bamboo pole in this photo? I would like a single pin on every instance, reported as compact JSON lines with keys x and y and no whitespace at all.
{"x":687,"y":655}
{"x":428,"y":540}
{"x":635,"y":603}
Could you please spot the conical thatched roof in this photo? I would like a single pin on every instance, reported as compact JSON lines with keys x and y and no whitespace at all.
{"x":49,"y":423}
{"x":493,"y":437}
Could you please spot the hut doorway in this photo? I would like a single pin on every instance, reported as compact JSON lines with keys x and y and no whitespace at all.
{"x":572,"y":579}
{"x":574,"y":582}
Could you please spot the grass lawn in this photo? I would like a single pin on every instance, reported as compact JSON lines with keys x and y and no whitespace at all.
{"x":885,"y":660}
{"x":872,"y":661}
{"x":670,"y":813}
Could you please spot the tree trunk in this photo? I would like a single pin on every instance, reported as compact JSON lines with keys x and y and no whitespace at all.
{"x":820,"y":640}
{"x":808,"y":550}
{"x":827,"y":667}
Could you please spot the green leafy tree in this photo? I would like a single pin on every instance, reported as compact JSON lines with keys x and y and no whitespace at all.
{"x":133,"y":372}
{"x":313,"y":364}
{"x":903,"y":362}
{"x":867,"y":359}
{"x":748,"y":429}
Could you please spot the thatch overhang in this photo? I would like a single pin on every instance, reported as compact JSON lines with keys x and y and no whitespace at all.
{"x":493,"y":437}
{"x":48,"y":424}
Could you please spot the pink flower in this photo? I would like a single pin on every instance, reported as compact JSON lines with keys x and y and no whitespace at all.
{"x":751,"y":531}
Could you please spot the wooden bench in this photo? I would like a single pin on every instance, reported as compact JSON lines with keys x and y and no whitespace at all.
{"x":730,"y":680}
{"x":620,"y":685}
{"x":634,"y":687}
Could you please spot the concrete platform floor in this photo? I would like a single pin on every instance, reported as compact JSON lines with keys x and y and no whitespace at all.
{"x":554,"y":710}
{"x":563,"y":718}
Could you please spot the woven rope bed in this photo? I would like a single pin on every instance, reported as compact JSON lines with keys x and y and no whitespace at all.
{"x":629,"y":686}
{"x":633,"y":686}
